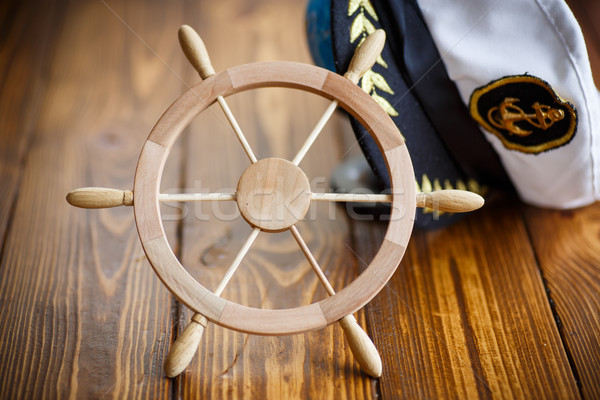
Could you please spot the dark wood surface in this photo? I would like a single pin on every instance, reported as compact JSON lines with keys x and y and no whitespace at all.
{"x":503,"y":304}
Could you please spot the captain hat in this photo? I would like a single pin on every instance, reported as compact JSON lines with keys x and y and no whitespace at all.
{"x":522,"y":68}
{"x":469,"y":83}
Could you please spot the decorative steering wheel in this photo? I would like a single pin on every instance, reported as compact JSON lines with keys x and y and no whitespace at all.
{"x":272,"y":195}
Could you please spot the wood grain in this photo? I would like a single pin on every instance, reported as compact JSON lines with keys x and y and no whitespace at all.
{"x":587,"y":12}
{"x":466,"y":315}
{"x":567,"y":247}
{"x":22,"y":85}
{"x":83,"y":315}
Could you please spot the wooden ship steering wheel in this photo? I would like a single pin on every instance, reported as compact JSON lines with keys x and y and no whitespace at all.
{"x":272,"y":195}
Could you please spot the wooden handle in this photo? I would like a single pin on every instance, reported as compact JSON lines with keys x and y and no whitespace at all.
{"x":195,"y":51}
{"x":454,"y":201}
{"x":185,"y":347}
{"x":362,"y":347}
{"x":365,"y":55}
{"x":95,"y":197}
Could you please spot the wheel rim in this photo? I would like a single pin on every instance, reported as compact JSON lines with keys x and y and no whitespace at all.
{"x":284,"y":321}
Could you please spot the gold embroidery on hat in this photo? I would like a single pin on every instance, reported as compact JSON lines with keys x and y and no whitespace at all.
{"x":426,"y":184}
{"x":507,"y":114}
{"x":475,"y":187}
{"x":362,"y":27}
{"x":372,"y":80}
{"x":365,"y":5}
{"x":427,"y":187}
{"x":544,"y":121}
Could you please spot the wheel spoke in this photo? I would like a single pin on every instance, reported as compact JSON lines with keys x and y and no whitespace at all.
{"x":454,"y":201}
{"x":196,"y":196}
{"x":237,"y":129}
{"x":196,"y":53}
{"x":352,"y":197}
{"x":236,"y":262}
{"x":186,"y":345}
{"x":363,"y":59}
{"x":361,"y":345}
{"x":315,"y":132}
{"x":311,"y":259}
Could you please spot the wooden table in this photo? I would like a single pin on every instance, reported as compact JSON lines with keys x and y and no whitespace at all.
{"x":503,"y":304}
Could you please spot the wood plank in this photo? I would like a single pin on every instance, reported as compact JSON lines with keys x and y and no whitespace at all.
{"x":587,"y":13}
{"x":466,"y":315}
{"x":83,"y":315}
{"x":274,"y":274}
{"x":22,"y":85}
{"x":567,"y":247}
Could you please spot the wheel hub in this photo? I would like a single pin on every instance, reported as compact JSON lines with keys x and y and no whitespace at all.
{"x":273,"y":194}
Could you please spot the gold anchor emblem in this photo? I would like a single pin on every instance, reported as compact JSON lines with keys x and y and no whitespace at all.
{"x":507,"y":114}
{"x":525,"y":113}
